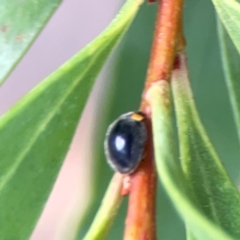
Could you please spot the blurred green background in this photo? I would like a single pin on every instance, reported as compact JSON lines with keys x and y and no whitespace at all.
{"x":128,"y":70}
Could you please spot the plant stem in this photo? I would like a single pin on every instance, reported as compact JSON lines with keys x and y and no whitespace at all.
{"x":140,"y":221}
{"x":168,"y":28}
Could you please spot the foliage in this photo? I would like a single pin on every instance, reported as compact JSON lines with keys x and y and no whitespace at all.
{"x":37,"y":131}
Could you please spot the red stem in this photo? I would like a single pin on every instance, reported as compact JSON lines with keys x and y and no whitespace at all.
{"x":140,"y":222}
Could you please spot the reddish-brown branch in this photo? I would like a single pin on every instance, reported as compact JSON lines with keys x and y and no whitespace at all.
{"x":140,"y":222}
{"x":165,"y":40}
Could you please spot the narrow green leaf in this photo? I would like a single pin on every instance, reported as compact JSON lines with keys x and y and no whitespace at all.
{"x":170,"y":171}
{"x":190,"y":235}
{"x":229,"y":12}
{"x":20,"y":23}
{"x":107,"y":211}
{"x":215,"y":192}
{"x":231,"y":63}
{"x":35,"y":134}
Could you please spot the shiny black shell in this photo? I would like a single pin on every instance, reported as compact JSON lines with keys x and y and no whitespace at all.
{"x":125,"y":142}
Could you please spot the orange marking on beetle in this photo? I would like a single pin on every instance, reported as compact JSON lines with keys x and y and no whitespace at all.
{"x":137,"y":117}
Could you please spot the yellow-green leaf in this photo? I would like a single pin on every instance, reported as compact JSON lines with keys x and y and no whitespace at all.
{"x":231,"y":63}
{"x":106,"y":213}
{"x":216,"y":194}
{"x":170,"y":171}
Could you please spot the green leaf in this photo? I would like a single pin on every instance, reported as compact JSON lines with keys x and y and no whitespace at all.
{"x":107,"y":211}
{"x":190,"y":235}
{"x":169,"y":168}
{"x":20,"y":23}
{"x":229,"y":12}
{"x":231,"y":63}
{"x":35,"y":134}
{"x":215,"y":192}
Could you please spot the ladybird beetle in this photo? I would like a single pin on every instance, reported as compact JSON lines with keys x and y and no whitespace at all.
{"x":125,"y":142}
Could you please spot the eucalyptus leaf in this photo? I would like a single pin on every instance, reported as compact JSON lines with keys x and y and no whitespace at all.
{"x":231,"y":63}
{"x":229,"y":12}
{"x":107,"y":211}
{"x":215,"y":192}
{"x":20,"y":23}
{"x":190,"y":235}
{"x":36,"y":133}
{"x":170,"y":171}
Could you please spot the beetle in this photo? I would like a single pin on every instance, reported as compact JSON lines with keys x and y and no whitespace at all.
{"x":125,"y":142}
